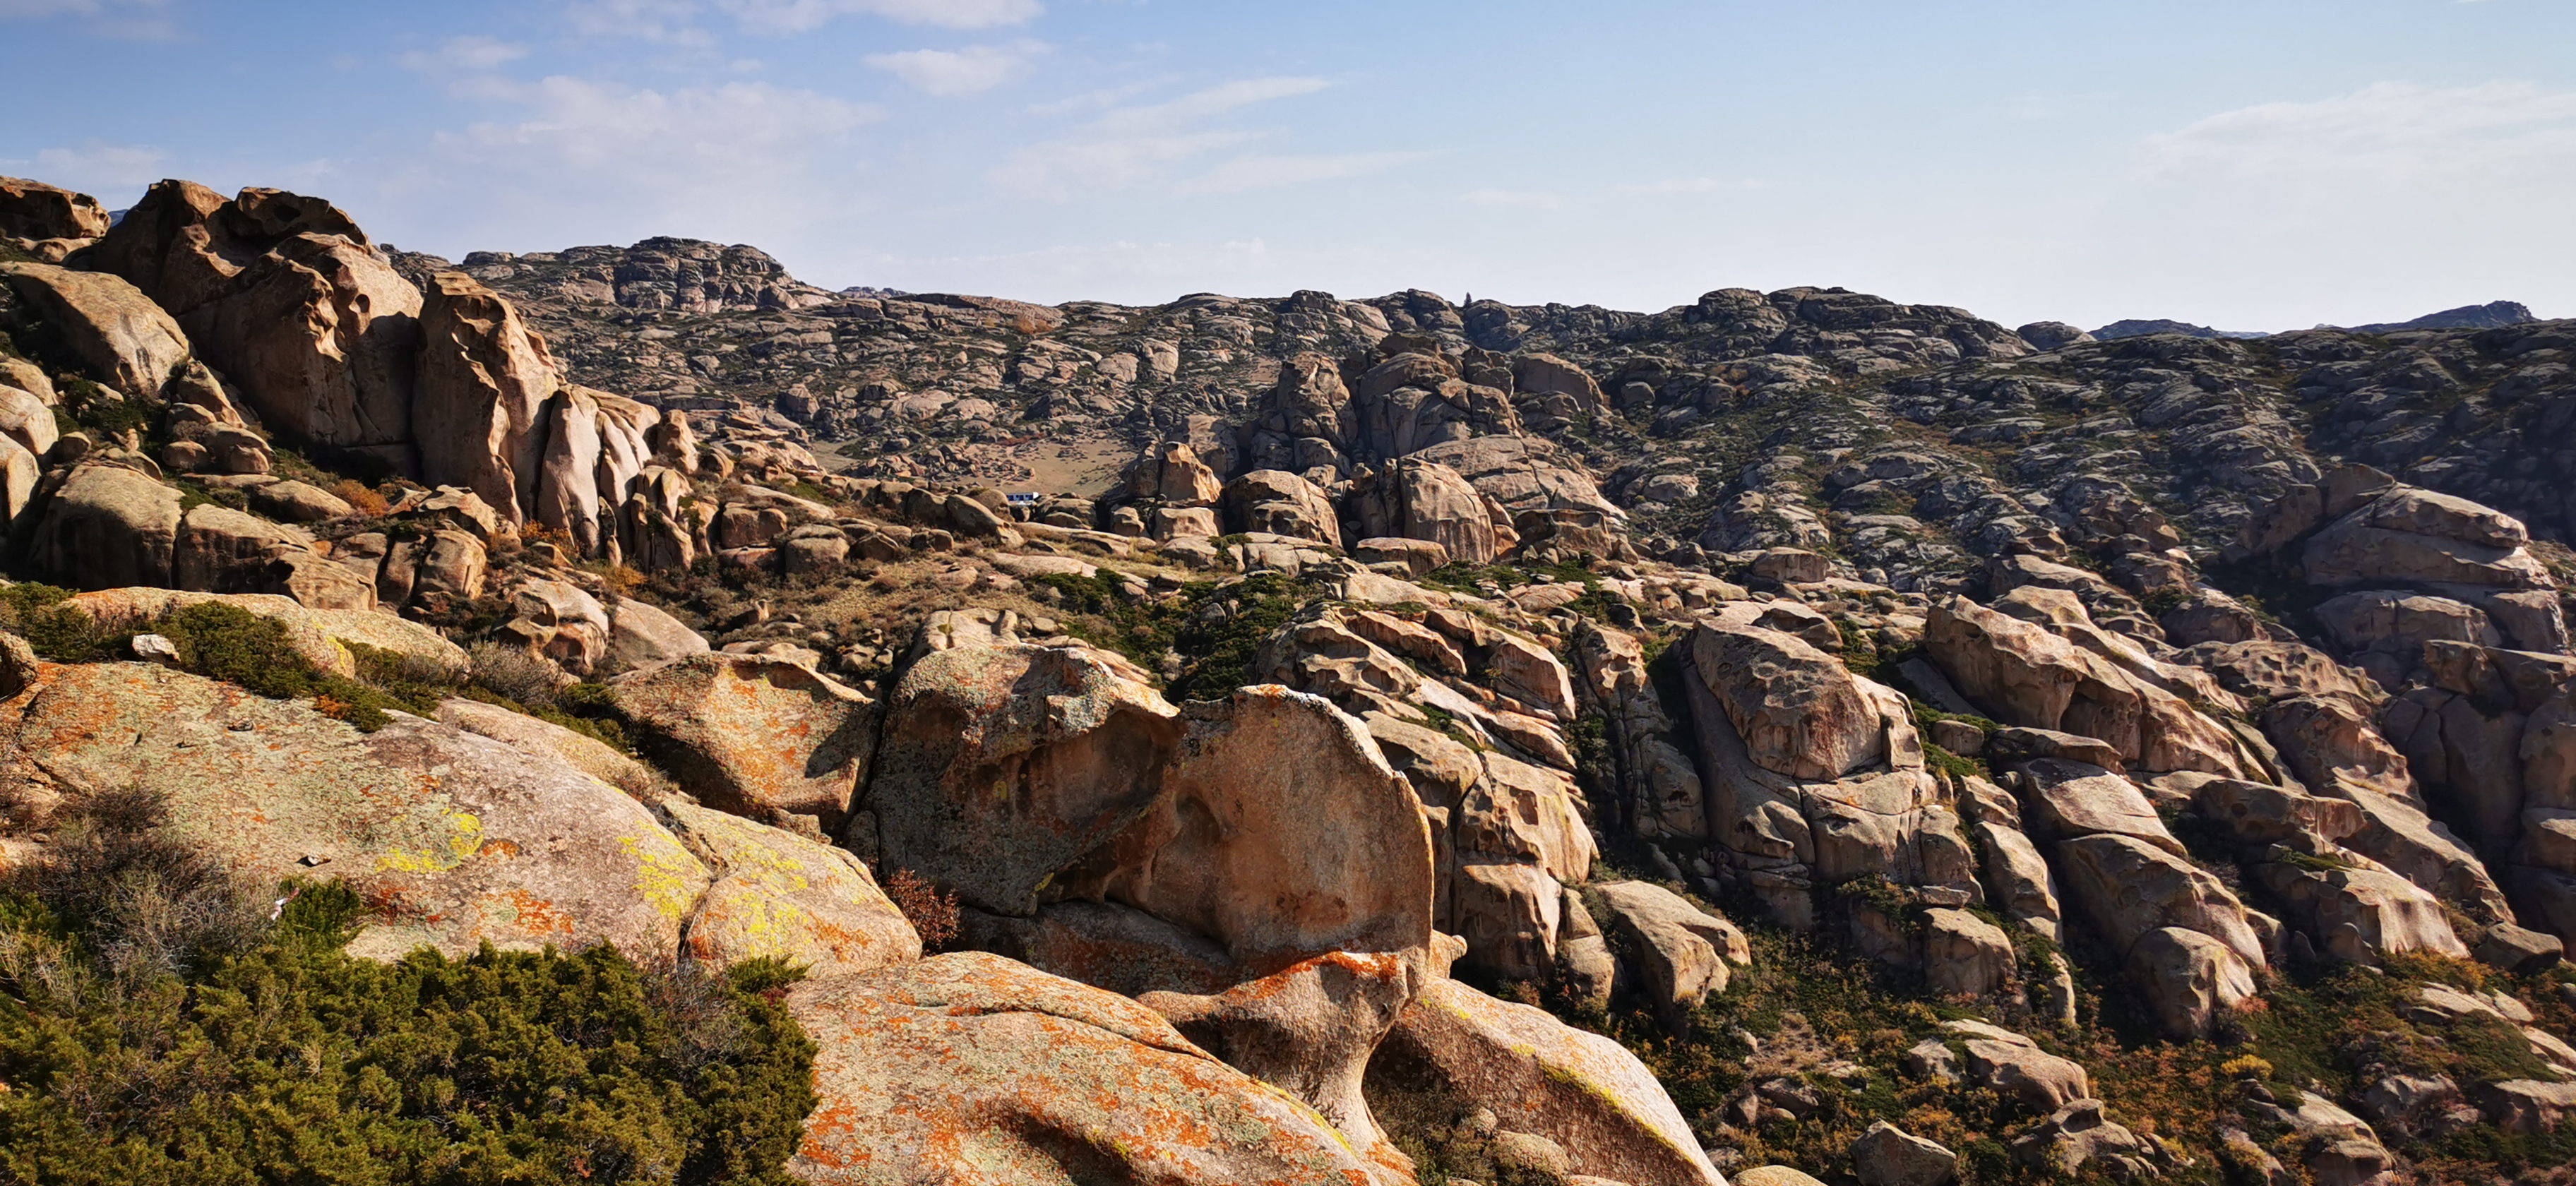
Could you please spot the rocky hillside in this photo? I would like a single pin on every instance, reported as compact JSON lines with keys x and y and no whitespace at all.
{"x":1788,"y":737}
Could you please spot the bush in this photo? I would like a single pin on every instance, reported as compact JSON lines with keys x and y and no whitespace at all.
{"x":270,"y":1055}
{"x":362,"y":496}
{"x":931,"y":913}
{"x":64,"y":635}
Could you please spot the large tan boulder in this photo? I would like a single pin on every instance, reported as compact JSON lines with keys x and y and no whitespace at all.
{"x":2415,"y":535}
{"x":1278,"y":830}
{"x":27,"y":420}
{"x":187,"y":246}
{"x":2358,"y":910}
{"x":454,"y":839}
{"x":2191,"y":978}
{"x":1800,"y":711}
{"x":972,"y":1068}
{"x":1001,"y":766}
{"x":1965,"y":955}
{"x":760,"y":736}
{"x":1171,"y":472}
{"x":1429,"y":501}
{"x":120,"y":336}
{"x":2187,"y":938}
{"x":1526,"y":477}
{"x":35,"y":210}
{"x":108,"y":525}
{"x":642,"y":635}
{"x":2010,"y":1064}
{"x":2014,"y":669}
{"x":320,"y":334}
{"x":1281,"y":503}
{"x":19,"y":473}
{"x":221,"y":550}
{"x":477,"y":413}
{"x":1456,"y":1050}
{"x":2078,"y":799}
{"x":1680,"y":952}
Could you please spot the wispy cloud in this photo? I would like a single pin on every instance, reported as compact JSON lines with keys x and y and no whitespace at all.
{"x":2389,"y":131}
{"x":1096,"y":100}
{"x":478,"y":55}
{"x":737,"y":156}
{"x":798,"y":16}
{"x":127,"y":20}
{"x":1682,"y":185}
{"x":1529,"y":199}
{"x":1262,"y":171}
{"x":968,"y":71}
{"x":1128,"y":146}
{"x":107,"y":170}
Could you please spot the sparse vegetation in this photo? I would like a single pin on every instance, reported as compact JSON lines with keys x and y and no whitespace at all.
{"x":163,"y":1026}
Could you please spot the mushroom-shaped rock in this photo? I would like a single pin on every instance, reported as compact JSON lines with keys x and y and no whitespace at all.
{"x":1456,"y":1050}
{"x":759,"y":736}
{"x":1308,"y":1028}
{"x":970,"y":1067}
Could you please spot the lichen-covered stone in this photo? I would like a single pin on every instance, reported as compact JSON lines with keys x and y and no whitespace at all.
{"x":975,"y":1070}
{"x":755,"y":735}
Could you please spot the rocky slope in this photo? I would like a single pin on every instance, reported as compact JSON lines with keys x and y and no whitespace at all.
{"x":1396,"y":742}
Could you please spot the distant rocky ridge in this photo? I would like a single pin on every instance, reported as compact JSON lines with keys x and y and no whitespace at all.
{"x":2486,"y":316}
{"x":2079,"y":704}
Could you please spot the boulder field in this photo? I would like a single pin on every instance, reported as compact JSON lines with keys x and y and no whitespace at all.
{"x":1410,"y":743}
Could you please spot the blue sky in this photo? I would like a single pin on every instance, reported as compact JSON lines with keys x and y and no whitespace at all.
{"x":2250,"y":165}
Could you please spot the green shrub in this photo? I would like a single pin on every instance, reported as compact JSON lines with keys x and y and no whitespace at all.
{"x":272,"y":1056}
{"x":36,"y":613}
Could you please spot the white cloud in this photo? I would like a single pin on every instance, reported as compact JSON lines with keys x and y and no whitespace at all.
{"x":2386,"y":132}
{"x":1680,"y":185}
{"x":1092,"y":100}
{"x":111,"y":172}
{"x":798,"y":16}
{"x":1256,"y":171}
{"x":967,"y":71}
{"x":477,"y":55}
{"x":730,"y":158}
{"x":1131,"y":145}
{"x":664,"y":21}
{"x":124,"y":20}
{"x":1527,"y":199}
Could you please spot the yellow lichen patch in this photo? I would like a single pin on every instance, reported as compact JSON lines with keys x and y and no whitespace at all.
{"x":746,"y":923}
{"x":665,"y":874}
{"x":464,"y":839}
